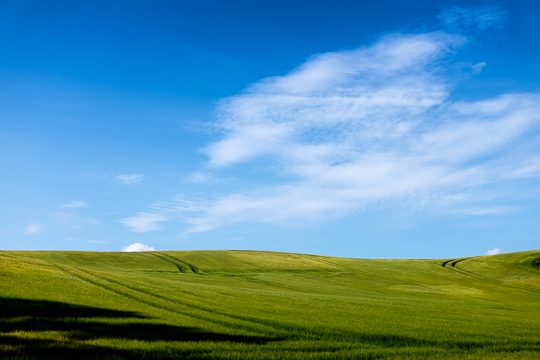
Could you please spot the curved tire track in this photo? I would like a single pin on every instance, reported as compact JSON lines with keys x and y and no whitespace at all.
{"x":90,"y":278}
{"x":182,"y":267}
{"x":251,"y":324}
{"x":454,"y":262}
{"x":191,"y":267}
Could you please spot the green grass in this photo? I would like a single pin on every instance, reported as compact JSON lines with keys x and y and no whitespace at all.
{"x":247,"y":304}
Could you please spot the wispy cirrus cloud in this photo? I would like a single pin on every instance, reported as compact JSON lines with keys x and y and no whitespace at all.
{"x":350,"y":129}
{"x":486,"y":211}
{"x":74,"y":204}
{"x":376,"y":91}
{"x":128,"y":179}
{"x":479,"y":17}
{"x":144,"y":222}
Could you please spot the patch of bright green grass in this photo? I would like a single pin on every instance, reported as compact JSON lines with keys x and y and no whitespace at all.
{"x":247,"y":304}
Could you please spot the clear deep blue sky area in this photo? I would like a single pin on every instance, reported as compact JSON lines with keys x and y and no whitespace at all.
{"x":391,"y":129}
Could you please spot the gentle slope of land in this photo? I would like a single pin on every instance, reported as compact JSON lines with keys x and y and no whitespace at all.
{"x":246,"y":304}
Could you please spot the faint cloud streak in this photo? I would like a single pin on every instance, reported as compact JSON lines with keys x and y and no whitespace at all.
{"x":33,"y":229}
{"x":74,"y":204}
{"x":128,"y":179}
{"x":144,"y":222}
{"x":468,"y":18}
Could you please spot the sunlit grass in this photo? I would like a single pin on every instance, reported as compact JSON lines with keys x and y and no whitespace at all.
{"x":237,"y":305}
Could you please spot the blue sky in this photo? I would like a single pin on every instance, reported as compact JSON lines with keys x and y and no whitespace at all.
{"x":341,"y":128}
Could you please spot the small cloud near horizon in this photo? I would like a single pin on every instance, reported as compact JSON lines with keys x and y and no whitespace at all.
{"x":138,"y":247}
{"x":494,"y":251}
{"x":74,"y":204}
{"x":33,"y":229}
{"x":128,"y":179}
{"x":98,"y":242}
{"x":144,"y":222}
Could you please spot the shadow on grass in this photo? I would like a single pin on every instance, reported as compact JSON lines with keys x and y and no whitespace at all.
{"x":78,"y":323}
{"x":24,"y":325}
{"x":11,"y":308}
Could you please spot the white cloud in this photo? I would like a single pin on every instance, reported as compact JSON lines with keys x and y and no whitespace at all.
{"x":494,"y":251}
{"x":91,"y":221}
{"x":468,"y":18}
{"x":129,"y":179}
{"x":200,"y":177}
{"x":485,"y":211}
{"x":74,"y":204}
{"x":529,"y":168}
{"x":350,"y":129}
{"x":144,"y":222}
{"x":32,"y":229}
{"x":363,"y":95}
{"x":137,"y":247}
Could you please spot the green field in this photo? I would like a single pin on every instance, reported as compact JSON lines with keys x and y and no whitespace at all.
{"x":246,"y":304}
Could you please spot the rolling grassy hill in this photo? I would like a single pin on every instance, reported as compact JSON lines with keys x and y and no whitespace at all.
{"x":246,"y":304}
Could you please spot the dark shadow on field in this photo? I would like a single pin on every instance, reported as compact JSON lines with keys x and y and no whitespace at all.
{"x":11,"y":307}
{"x":76,"y":323}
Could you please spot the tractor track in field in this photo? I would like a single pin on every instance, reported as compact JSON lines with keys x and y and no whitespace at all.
{"x":202,"y":309}
{"x":369,"y":274}
{"x":227,"y":324}
{"x":273,"y":325}
{"x":182,"y":266}
{"x":328,"y":262}
{"x":454,"y":262}
{"x":446,"y":262}
{"x":192,"y":268}
{"x":295,"y":289}
{"x":288,"y":287}
{"x":89,"y":280}
{"x":253,"y":324}
{"x":277,"y":285}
